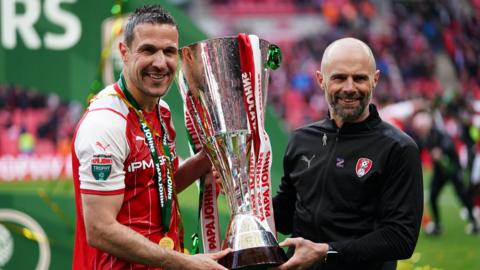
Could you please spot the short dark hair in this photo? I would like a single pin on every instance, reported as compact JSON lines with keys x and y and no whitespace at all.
{"x":153,"y":14}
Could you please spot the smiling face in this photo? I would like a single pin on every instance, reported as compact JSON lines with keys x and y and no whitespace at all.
{"x":348,"y":77}
{"x":150,"y":62}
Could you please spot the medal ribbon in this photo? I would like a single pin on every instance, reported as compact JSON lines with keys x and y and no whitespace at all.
{"x":162,"y":178}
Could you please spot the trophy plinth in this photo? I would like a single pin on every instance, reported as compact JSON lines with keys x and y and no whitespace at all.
{"x":258,"y":258}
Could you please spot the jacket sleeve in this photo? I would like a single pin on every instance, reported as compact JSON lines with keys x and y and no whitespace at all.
{"x":398,"y":215}
{"x":284,"y":201}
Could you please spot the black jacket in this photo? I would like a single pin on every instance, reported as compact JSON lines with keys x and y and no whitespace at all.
{"x":371,"y":216}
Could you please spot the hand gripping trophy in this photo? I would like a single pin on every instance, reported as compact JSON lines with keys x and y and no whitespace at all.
{"x":223,"y":82}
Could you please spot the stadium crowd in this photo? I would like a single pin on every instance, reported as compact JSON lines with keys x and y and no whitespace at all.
{"x":407,"y":38}
{"x":35,"y":123}
{"x":427,"y":51}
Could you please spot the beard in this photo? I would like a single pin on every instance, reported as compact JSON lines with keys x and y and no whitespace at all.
{"x":349,"y":114}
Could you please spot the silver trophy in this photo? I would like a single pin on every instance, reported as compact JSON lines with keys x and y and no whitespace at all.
{"x":212,"y":83}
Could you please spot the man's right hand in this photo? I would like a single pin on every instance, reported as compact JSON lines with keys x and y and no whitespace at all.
{"x":306,"y":253}
{"x":207,"y":261}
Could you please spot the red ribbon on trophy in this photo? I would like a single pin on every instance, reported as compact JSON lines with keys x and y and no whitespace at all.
{"x":250,"y":61}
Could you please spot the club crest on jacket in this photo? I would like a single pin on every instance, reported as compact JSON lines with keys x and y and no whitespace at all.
{"x":363,"y":166}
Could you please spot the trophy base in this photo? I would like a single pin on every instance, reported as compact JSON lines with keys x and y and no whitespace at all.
{"x":258,"y":258}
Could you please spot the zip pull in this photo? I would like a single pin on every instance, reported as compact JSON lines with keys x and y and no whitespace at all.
{"x":324,"y":139}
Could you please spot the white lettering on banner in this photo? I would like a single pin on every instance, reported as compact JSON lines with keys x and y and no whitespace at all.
{"x":68,"y":166}
{"x":21,"y":22}
{"x":71,"y":24}
{"x":24,"y":24}
{"x":14,"y":168}
{"x":247,"y":86}
{"x":11,"y":169}
{"x":46,"y":168}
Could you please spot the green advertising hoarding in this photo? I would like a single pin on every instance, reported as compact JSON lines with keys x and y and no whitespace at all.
{"x":55,"y":46}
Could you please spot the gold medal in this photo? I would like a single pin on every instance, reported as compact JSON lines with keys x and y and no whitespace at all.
{"x":166,"y":242}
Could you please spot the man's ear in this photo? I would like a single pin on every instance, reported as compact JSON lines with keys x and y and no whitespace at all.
{"x":319,"y":78}
{"x":122,"y":47}
{"x":376,"y":77}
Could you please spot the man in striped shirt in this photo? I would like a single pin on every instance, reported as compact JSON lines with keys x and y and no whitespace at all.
{"x":126,"y":170}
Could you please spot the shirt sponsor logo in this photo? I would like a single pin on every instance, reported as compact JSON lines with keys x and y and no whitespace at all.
{"x":363,"y":166}
{"x":144,"y":164}
{"x":101,"y":166}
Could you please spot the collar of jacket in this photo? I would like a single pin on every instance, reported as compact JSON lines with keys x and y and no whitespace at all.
{"x":372,"y":120}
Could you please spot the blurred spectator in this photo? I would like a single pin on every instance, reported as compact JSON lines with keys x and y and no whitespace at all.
{"x":26,"y":142}
{"x":446,"y":168}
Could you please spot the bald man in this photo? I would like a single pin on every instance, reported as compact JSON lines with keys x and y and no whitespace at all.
{"x":351,"y":195}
